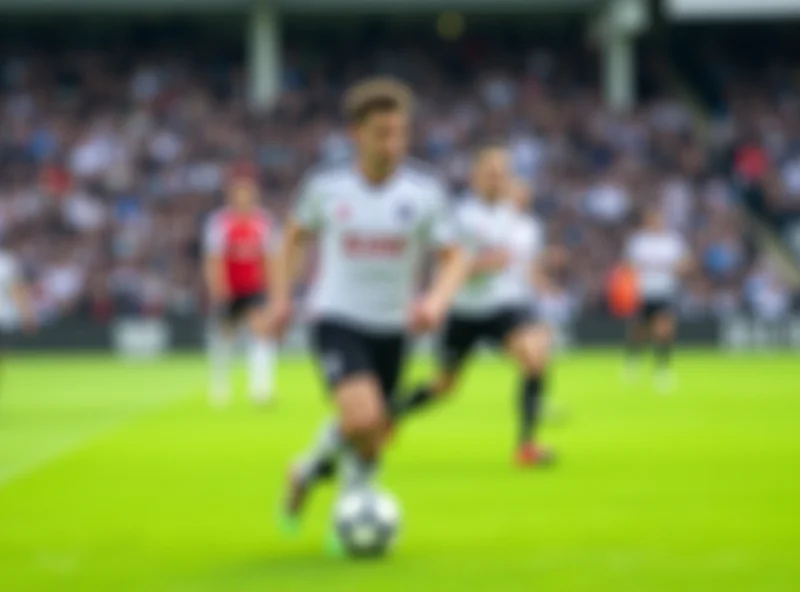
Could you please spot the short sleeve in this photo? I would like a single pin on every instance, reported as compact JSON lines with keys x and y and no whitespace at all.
{"x":213,"y":237}
{"x":442,"y":226}
{"x":307,"y":210}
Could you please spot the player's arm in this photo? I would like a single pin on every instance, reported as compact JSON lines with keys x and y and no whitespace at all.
{"x":686,"y":263}
{"x":23,"y":299}
{"x":544,"y":261}
{"x":685,"y":266}
{"x":286,"y":263}
{"x":453,"y":267}
{"x":540,"y":274}
{"x":213,"y":264}
{"x":489,"y":261}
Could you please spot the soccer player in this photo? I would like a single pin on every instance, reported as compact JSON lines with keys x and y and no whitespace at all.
{"x":495,"y":305}
{"x":375,"y":221}
{"x":16,"y":303}
{"x":239,"y":240}
{"x":659,"y":258}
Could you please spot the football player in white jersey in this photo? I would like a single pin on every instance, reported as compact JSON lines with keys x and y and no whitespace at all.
{"x":660,"y":258}
{"x":16,"y":305}
{"x":375,"y":221}
{"x":496,"y":303}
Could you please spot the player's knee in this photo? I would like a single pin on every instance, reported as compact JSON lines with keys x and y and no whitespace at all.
{"x":258,"y":325}
{"x":364,"y":423}
{"x":664,"y":328}
{"x":534,"y":362}
{"x":533,"y":351}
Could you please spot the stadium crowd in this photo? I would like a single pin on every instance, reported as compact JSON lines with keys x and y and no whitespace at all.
{"x":109,"y":163}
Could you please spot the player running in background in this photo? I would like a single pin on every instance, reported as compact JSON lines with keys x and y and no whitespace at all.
{"x":375,"y":220}
{"x":16,"y":304}
{"x":496,"y":303}
{"x":659,"y":258}
{"x":238,"y":244}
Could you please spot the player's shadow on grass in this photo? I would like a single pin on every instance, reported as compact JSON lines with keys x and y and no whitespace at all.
{"x":307,"y":565}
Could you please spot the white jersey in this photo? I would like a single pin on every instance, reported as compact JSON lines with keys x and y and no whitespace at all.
{"x":656,"y":257}
{"x":482,"y":226}
{"x":372,"y":241}
{"x":9,"y":276}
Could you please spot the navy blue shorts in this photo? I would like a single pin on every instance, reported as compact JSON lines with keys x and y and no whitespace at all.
{"x":344,"y":350}
{"x":234,"y":310}
{"x":655,"y":307}
{"x":463,"y":333}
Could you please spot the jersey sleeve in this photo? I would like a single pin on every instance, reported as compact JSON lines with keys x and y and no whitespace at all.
{"x":213,"y":236}
{"x":307,"y":211}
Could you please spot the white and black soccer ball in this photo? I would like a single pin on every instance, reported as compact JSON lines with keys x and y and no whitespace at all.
{"x":366,"y":522}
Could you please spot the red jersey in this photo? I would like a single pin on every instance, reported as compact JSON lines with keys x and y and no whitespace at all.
{"x":243,"y":240}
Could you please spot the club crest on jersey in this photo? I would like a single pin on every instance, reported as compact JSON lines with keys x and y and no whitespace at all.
{"x":343,"y":211}
{"x":405,"y":213}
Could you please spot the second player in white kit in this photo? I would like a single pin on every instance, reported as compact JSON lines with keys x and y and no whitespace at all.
{"x":495,"y":304}
{"x":660,"y":258}
{"x":16,"y":307}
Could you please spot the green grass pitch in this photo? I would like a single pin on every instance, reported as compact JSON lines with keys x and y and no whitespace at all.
{"x":116,"y":476}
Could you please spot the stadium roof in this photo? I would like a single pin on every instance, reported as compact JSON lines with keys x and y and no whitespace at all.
{"x":187,"y":6}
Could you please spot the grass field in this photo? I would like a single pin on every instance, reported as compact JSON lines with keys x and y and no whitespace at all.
{"x":116,"y":476}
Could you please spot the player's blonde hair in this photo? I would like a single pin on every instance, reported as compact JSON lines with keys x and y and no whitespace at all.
{"x":381,"y":93}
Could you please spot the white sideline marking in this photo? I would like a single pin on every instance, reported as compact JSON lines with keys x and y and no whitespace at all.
{"x":80,"y":440}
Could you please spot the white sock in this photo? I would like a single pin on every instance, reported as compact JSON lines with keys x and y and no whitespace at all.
{"x":220,"y":353}
{"x":261,"y":368}
{"x":326,"y":448}
{"x":357,"y":473}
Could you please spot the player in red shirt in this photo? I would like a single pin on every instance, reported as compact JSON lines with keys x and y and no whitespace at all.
{"x":238,"y":247}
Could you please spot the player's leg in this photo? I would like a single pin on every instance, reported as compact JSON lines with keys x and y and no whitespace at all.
{"x":347,"y":366}
{"x":637,"y":336}
{"x":357,"y":434}
{"x":362,"y":422}
{"x":262,"y":352}
{"x":221,"y":344}
{"x":454,"y":346}
{"x":529,"y":346}
{"x":664,"y":328}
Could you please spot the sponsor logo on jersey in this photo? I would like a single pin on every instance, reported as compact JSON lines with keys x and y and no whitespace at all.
{"x":245,"y":251}
{"x":360,"y":245}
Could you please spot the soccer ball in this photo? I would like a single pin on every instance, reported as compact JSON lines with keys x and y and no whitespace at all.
{"x":366,"y":522}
